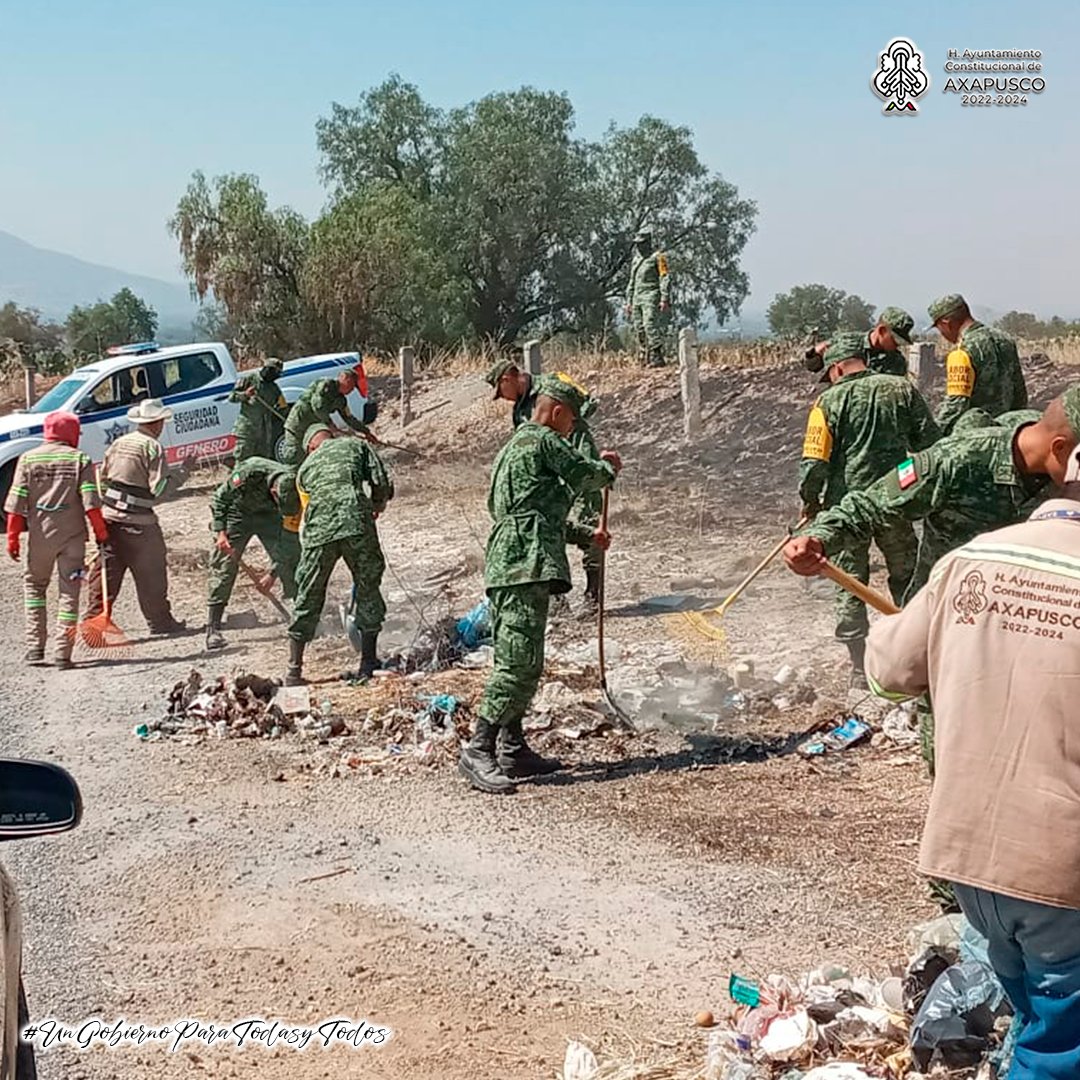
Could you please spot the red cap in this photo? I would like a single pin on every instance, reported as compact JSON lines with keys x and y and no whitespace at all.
{"x":62,"y":427}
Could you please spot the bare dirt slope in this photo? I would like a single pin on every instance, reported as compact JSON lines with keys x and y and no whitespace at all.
{"x":610,"y":901}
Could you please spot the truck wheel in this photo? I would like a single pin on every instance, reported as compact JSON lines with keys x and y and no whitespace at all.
{"x":279,"y":450}
{"x":25,"y":1066}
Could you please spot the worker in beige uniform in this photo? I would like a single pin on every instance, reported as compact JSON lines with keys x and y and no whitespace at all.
{"x":133,"y":476}
{"x":52,"y":494}
{"x":994,"y":637}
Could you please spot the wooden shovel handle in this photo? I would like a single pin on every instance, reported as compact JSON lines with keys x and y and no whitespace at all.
{"x":857,"y":588}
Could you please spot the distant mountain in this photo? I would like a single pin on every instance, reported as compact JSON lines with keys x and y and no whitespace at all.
{"x":54,"y":283}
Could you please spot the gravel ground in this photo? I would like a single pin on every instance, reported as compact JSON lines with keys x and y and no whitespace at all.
{"x":611,"y":901}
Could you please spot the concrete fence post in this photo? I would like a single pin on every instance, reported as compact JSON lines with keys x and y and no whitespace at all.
{"x":406,"y":356}
{"x":30,"y":382}
{"x":921,"y":363}
{"x":689,"y":383}
{"x":532,"y":357}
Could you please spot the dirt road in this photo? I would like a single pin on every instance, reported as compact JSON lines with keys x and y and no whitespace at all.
{"x":612,"y":901}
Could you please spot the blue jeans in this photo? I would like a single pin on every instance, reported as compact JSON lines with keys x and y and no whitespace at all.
{"x":1035,"y":951}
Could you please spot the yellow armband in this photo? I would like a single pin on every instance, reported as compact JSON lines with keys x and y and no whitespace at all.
{"x":818,"y":442}
{"x":959,"y":374}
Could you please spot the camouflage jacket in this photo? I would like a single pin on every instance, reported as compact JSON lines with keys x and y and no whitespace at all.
{"x":316,"y":405}
{"x":882,"y":362}
{"x":52,"y":488}
{"x":257,"y":420}
{"x":861,"y":427}
{"x":342,"y":485}
{"x":649,"y":278}
{"x":536,"y":477}
{"x":961,"y":486}
{"x":982,"y":372}
{"x":581,"y":439}
{"x":246,"y":494}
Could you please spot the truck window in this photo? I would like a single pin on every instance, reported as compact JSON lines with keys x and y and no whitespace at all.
{"x":179,"y":374}
{"x":121,"y":389}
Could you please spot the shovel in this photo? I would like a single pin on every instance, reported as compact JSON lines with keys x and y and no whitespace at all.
{"x":256,"y":580}
{"x":620,"y":714}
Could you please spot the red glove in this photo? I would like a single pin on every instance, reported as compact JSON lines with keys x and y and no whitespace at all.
{"x":16,"y":524}
{"x":97,"y":523}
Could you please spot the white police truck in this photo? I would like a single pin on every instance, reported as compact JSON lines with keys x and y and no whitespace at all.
{"x":193,"y":380}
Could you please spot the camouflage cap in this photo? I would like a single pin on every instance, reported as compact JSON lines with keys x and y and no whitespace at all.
{"x":498,"y":370}
{"x":845,"y":346}
{"x":945,"y":305}
{"x":899,"y":323}
{"x":1071,"y":401}
{"x":563,"y":389}
{"x":288,"y":498}
{"x":313,"y":431}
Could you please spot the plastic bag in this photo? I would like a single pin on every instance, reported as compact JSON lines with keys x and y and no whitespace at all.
{"x":474,"y":629}
{"x":953,"y":1025}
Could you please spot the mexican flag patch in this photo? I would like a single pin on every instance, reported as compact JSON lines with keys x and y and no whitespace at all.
{"x":906,"y":474}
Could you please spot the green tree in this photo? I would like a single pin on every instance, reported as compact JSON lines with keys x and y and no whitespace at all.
{"x":805,"y":310}
{"x":124,"y":319}
{"x":855,"y":314}
{"x":537,"y":223}
{"x":24,"y":336}
{"x":1023,"y":324}
{"x":251,"y":259}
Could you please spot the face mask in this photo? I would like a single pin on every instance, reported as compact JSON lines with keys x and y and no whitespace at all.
{"x":271,"y":373}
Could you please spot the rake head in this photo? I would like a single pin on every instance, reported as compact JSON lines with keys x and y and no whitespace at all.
{"x":99,"y":632}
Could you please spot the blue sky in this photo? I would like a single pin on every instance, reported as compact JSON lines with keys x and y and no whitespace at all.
{"x":106,"y":107}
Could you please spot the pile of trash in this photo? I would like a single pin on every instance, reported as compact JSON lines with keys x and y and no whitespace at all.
{"x":945,"y":1014}
{"x":246,"y":707}
{"x":428,"y":733}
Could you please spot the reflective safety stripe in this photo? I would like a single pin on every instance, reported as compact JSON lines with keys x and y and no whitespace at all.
{"x":35,"y":602}
{"x":888,"y":695}
{"x":122,"y":500}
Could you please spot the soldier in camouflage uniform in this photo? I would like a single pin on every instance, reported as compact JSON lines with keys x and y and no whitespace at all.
{"x":983,"y":369}
{"x":344,"y":486}
{"x":862,"y":426}
{"x":316,"y":405}
{"x":261,"y":422}
{"x":512,"y":384}
{"x":257,"y":500}
{"x":647,"y":298}
{"x":881,"y":345}
{"x":535,"y":479}
{"x":965,"y":484}
{"x":53,"y":490}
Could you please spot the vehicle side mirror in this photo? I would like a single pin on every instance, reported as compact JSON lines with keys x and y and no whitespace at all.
{"x":371,"y":411}
{"x":36,"y":798}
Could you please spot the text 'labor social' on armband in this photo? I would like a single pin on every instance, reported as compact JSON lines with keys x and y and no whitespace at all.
{"x":959,"y":374}
{"x":818,"y":442}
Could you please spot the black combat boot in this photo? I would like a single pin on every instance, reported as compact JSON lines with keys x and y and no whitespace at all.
{"x":590,"y":602}
{"x":478,"y":765}
{"x":517,"y":759}
{"x":215,"y":639}
{"x":369,"y":640}
{"x":294,"y":676}
{"x":857,"y":652}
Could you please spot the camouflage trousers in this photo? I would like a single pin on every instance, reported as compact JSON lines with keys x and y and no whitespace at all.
{"x":317,"y":561}
{"x":283,"y":552}
{"x":519,"y":620}
{"x":42,"y":560}
{"x":292,"y":453}
{"x":900,"y":547}
{"x":650,"y":327}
